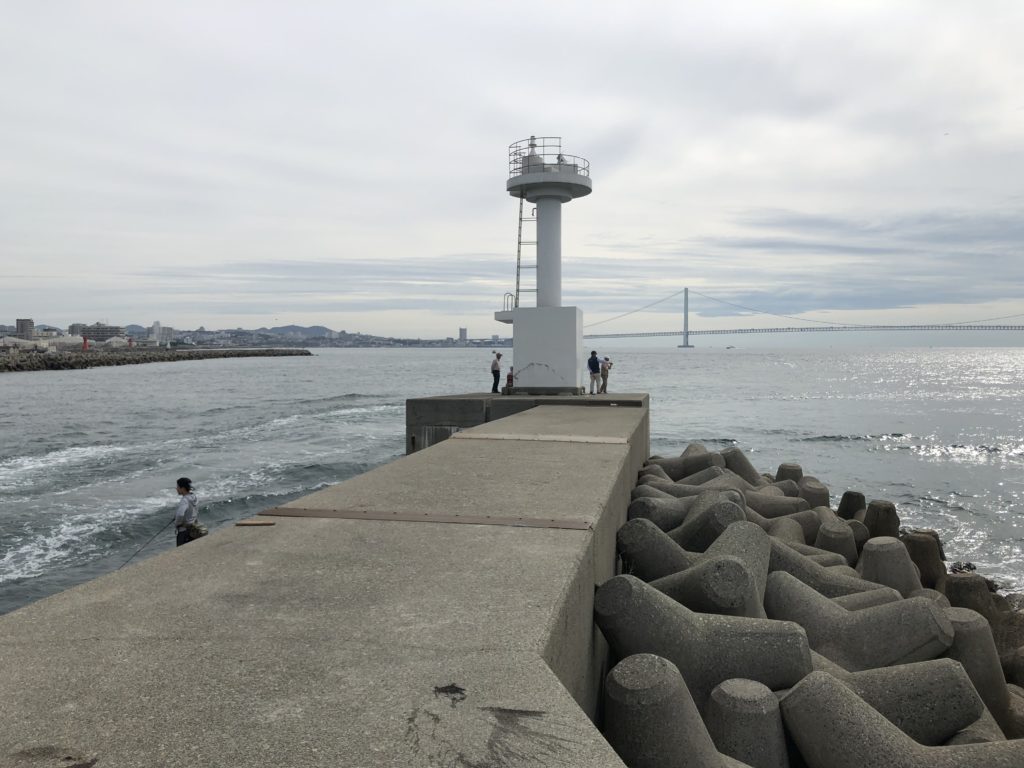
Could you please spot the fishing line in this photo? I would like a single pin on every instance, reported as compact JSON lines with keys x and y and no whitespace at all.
{"x":146,"y":544}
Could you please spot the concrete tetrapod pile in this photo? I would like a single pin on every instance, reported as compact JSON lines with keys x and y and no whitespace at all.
{"x":754,"y":624}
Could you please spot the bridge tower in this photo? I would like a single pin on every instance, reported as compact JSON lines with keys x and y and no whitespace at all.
{"x":547,"y":340}
{"x":686,"y":320}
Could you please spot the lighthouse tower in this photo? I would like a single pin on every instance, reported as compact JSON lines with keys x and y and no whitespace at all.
{"x":547,"y":340}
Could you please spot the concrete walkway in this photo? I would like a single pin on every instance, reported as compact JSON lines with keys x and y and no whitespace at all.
{"x":347,"y":642}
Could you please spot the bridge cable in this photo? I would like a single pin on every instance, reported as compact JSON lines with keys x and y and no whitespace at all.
{"x":987,"y":319}
{"x":633,"y":312}
{"x":774,"y":314}
{"x":829,"y":322}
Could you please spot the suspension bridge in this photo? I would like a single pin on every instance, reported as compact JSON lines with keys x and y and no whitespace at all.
{"x":814,"y":326}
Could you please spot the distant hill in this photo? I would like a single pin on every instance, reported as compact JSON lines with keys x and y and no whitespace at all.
{"x":313,"y":331}
{"x":136,"y":330}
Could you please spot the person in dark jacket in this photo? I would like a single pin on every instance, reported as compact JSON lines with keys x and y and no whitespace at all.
{"x":594,"y":366}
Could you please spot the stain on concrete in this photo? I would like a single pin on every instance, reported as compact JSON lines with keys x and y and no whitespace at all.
{"x":49,"y":757}
{"x":486,"y":737}
{"x":521,"y":735}
{"x":417,"y":719}
{"x":504,"y":712}
{"x":454,"y":693}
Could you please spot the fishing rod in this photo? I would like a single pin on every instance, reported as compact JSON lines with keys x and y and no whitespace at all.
{"x":146,"y":544}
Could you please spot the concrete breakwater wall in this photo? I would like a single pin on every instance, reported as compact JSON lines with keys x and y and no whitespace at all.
{"x":754,"y":624}
{"x":64,"y":361}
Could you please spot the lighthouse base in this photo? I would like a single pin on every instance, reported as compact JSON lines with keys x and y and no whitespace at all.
{"x":547,"y":350}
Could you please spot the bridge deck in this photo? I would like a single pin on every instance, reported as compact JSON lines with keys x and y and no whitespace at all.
{"x":811,"y":329}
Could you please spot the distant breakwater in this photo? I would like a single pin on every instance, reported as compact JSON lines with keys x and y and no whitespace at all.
{"x":66,"y":361}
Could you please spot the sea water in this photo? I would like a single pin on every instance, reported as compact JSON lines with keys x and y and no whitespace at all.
{"x":89,"y":459}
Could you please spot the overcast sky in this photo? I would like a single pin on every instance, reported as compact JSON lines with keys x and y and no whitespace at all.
{"x":336,"y":163}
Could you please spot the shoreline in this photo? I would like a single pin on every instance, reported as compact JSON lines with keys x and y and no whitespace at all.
{"x":68,"y":361}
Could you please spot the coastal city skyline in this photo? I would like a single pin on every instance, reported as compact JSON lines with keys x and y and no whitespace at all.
{"x":27,"y":334}
{"x":234,"y":166}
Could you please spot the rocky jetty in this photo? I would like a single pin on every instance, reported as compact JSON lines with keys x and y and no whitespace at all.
{"x":66,"y":361}
{"x":755,"y":624}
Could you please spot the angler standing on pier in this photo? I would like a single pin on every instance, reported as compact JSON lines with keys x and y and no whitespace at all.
{"x":496,"y":371}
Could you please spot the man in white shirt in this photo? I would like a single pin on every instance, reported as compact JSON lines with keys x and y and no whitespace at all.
{"x":496,"y":371}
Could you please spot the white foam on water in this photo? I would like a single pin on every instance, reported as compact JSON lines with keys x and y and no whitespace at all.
{"x":20,"y":471}
{"x":283,"y":421}
{"x":363,"y":409}
{"x":70,"y":540}
{"x":287,"y":426}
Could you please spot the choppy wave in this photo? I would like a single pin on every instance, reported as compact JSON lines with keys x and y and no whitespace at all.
{"x":31,"y":556}
{"x":66,"y":537}
{"x":979,"y":528}
{"x":19,"y":471}
{"x":293,"y":404}
{"x":718,"y":442}
{"x":852,"y":438}
{"x":350,"y":396}
{"x":293,"y":423}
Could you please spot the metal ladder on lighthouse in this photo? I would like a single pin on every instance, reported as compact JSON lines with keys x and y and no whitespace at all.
{"x":529,"y":221}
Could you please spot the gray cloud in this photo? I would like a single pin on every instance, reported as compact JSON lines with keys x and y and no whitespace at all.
{"x":345,"y":164}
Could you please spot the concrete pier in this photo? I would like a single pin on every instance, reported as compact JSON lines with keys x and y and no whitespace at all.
{"x":429,"y":420}
{"x":436,"y":611}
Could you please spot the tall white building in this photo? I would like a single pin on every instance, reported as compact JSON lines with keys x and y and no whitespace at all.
{"x":159,"y":334}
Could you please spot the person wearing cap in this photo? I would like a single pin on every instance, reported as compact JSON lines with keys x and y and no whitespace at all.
{"x":496,"y":371}
{"x":606,"y":366}
{"x":187,"y":512}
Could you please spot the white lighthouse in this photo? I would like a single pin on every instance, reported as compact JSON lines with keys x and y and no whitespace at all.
{"x":547,"y":339}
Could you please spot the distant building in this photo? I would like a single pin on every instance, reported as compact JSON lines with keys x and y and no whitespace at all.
{"x":67,"y":342}
{"x":25,"y":329}
{"x":97,"y":331}
{"x":494,"y":337}
{"x":159,"y":334}
{"x":463,"y":335}
{"x":75,"y":329}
